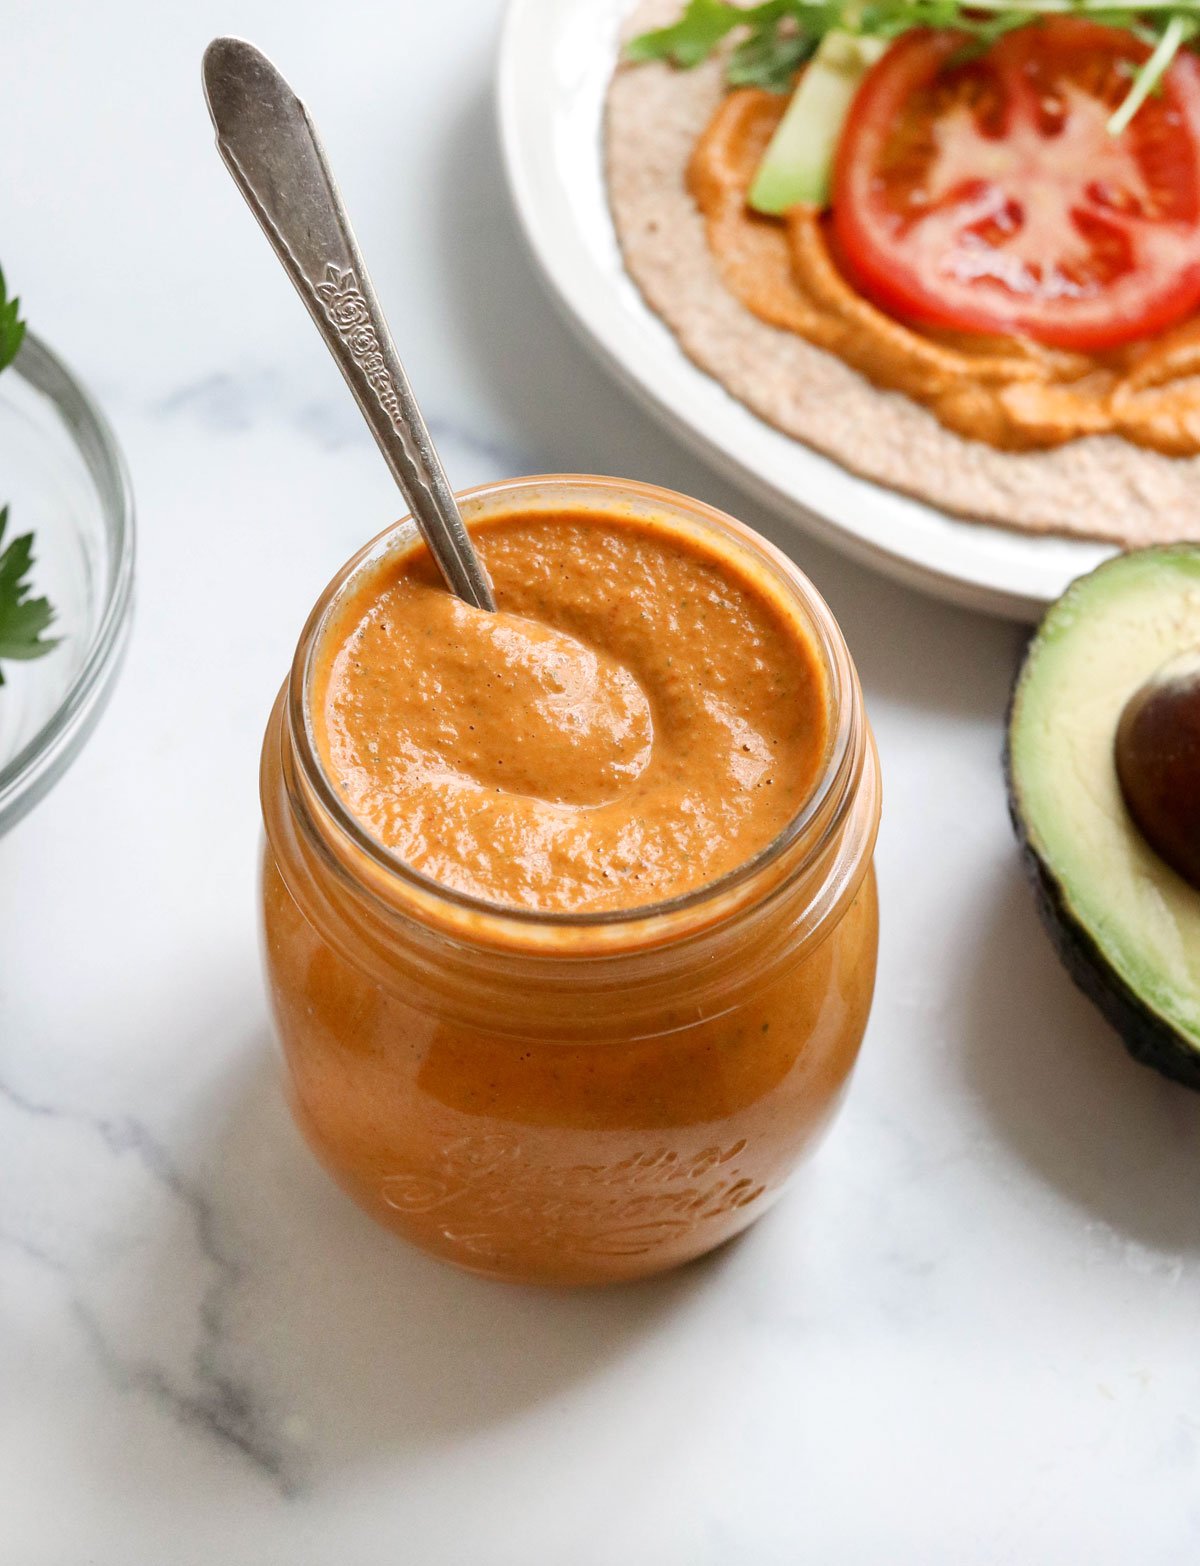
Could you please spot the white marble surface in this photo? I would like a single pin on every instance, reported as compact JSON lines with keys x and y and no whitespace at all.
{"x":968,"y":1336}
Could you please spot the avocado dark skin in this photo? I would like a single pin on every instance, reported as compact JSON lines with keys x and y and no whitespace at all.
{"x":1149,"y":1039}
{"x":1157,"y":756}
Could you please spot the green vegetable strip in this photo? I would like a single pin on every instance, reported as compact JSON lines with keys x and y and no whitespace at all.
{"x":1177,"y":32}
{"x":799,"y":160}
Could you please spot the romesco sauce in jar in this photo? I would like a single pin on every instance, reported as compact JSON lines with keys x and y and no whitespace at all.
{"x":569,"y":910}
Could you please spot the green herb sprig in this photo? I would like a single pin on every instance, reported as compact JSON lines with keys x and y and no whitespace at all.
{"x":23,"y":619}
{"x":12,"y":328}
{"x":779,"y":36}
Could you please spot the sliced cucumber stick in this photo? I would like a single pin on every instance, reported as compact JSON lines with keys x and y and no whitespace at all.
{"x":799,"y":160}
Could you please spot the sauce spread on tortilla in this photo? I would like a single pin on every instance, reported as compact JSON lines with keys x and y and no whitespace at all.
{"x":1009,"y":392}
{"x":641,"y":716}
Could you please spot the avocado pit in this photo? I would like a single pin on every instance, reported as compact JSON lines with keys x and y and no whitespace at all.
{"x":1157,"y":756}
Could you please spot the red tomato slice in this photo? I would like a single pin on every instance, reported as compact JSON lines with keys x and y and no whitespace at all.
{"x":987,"y":195}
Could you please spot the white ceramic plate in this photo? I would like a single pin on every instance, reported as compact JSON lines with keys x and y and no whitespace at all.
{"x":556,"y":58}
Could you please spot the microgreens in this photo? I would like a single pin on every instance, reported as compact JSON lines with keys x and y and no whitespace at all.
{"x":778,"y":36}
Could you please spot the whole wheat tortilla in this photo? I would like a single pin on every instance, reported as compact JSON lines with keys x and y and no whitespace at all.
{"x":1098,"y":487}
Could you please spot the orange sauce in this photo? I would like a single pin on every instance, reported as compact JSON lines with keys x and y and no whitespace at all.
{"x":643,"y":715}
{"x":1010,"y":392}
{"x":638,"y":719}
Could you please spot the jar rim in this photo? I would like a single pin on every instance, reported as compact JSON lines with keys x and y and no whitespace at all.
{"x":819,"y":817}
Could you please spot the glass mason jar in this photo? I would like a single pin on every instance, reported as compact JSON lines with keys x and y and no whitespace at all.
{"x":569,"y":1098}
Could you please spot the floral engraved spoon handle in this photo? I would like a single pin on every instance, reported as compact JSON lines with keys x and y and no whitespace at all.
{"x":271,"y":148}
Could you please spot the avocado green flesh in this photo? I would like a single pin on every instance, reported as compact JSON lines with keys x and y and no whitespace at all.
{"x":1130,"y":925}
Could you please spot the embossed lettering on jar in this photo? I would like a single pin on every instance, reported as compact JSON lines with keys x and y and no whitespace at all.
{"x":548,"y":1093}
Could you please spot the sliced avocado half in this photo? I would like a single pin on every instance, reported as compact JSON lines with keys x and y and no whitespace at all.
{"x":1126,"y":926}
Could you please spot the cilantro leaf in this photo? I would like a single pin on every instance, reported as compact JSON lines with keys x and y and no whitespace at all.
{"x":22,"y":618}
{"x":700,"y":29}
{"x":12,"y":329}
{"x":766,"y":59}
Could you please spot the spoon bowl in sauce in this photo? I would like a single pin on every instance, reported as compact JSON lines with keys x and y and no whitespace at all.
{"x":498,"y":702}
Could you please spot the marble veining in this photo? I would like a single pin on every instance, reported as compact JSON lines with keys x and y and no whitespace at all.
{"x":232,"y":403}
{"x":197,"y":1392}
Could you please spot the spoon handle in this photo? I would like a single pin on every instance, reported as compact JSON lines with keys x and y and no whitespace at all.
{"x":271,"y":147}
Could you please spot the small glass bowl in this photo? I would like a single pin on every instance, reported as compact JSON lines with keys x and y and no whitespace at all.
{"x":63,"y":478}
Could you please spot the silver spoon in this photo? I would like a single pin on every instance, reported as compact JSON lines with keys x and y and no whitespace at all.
{"x":271,"y":147}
